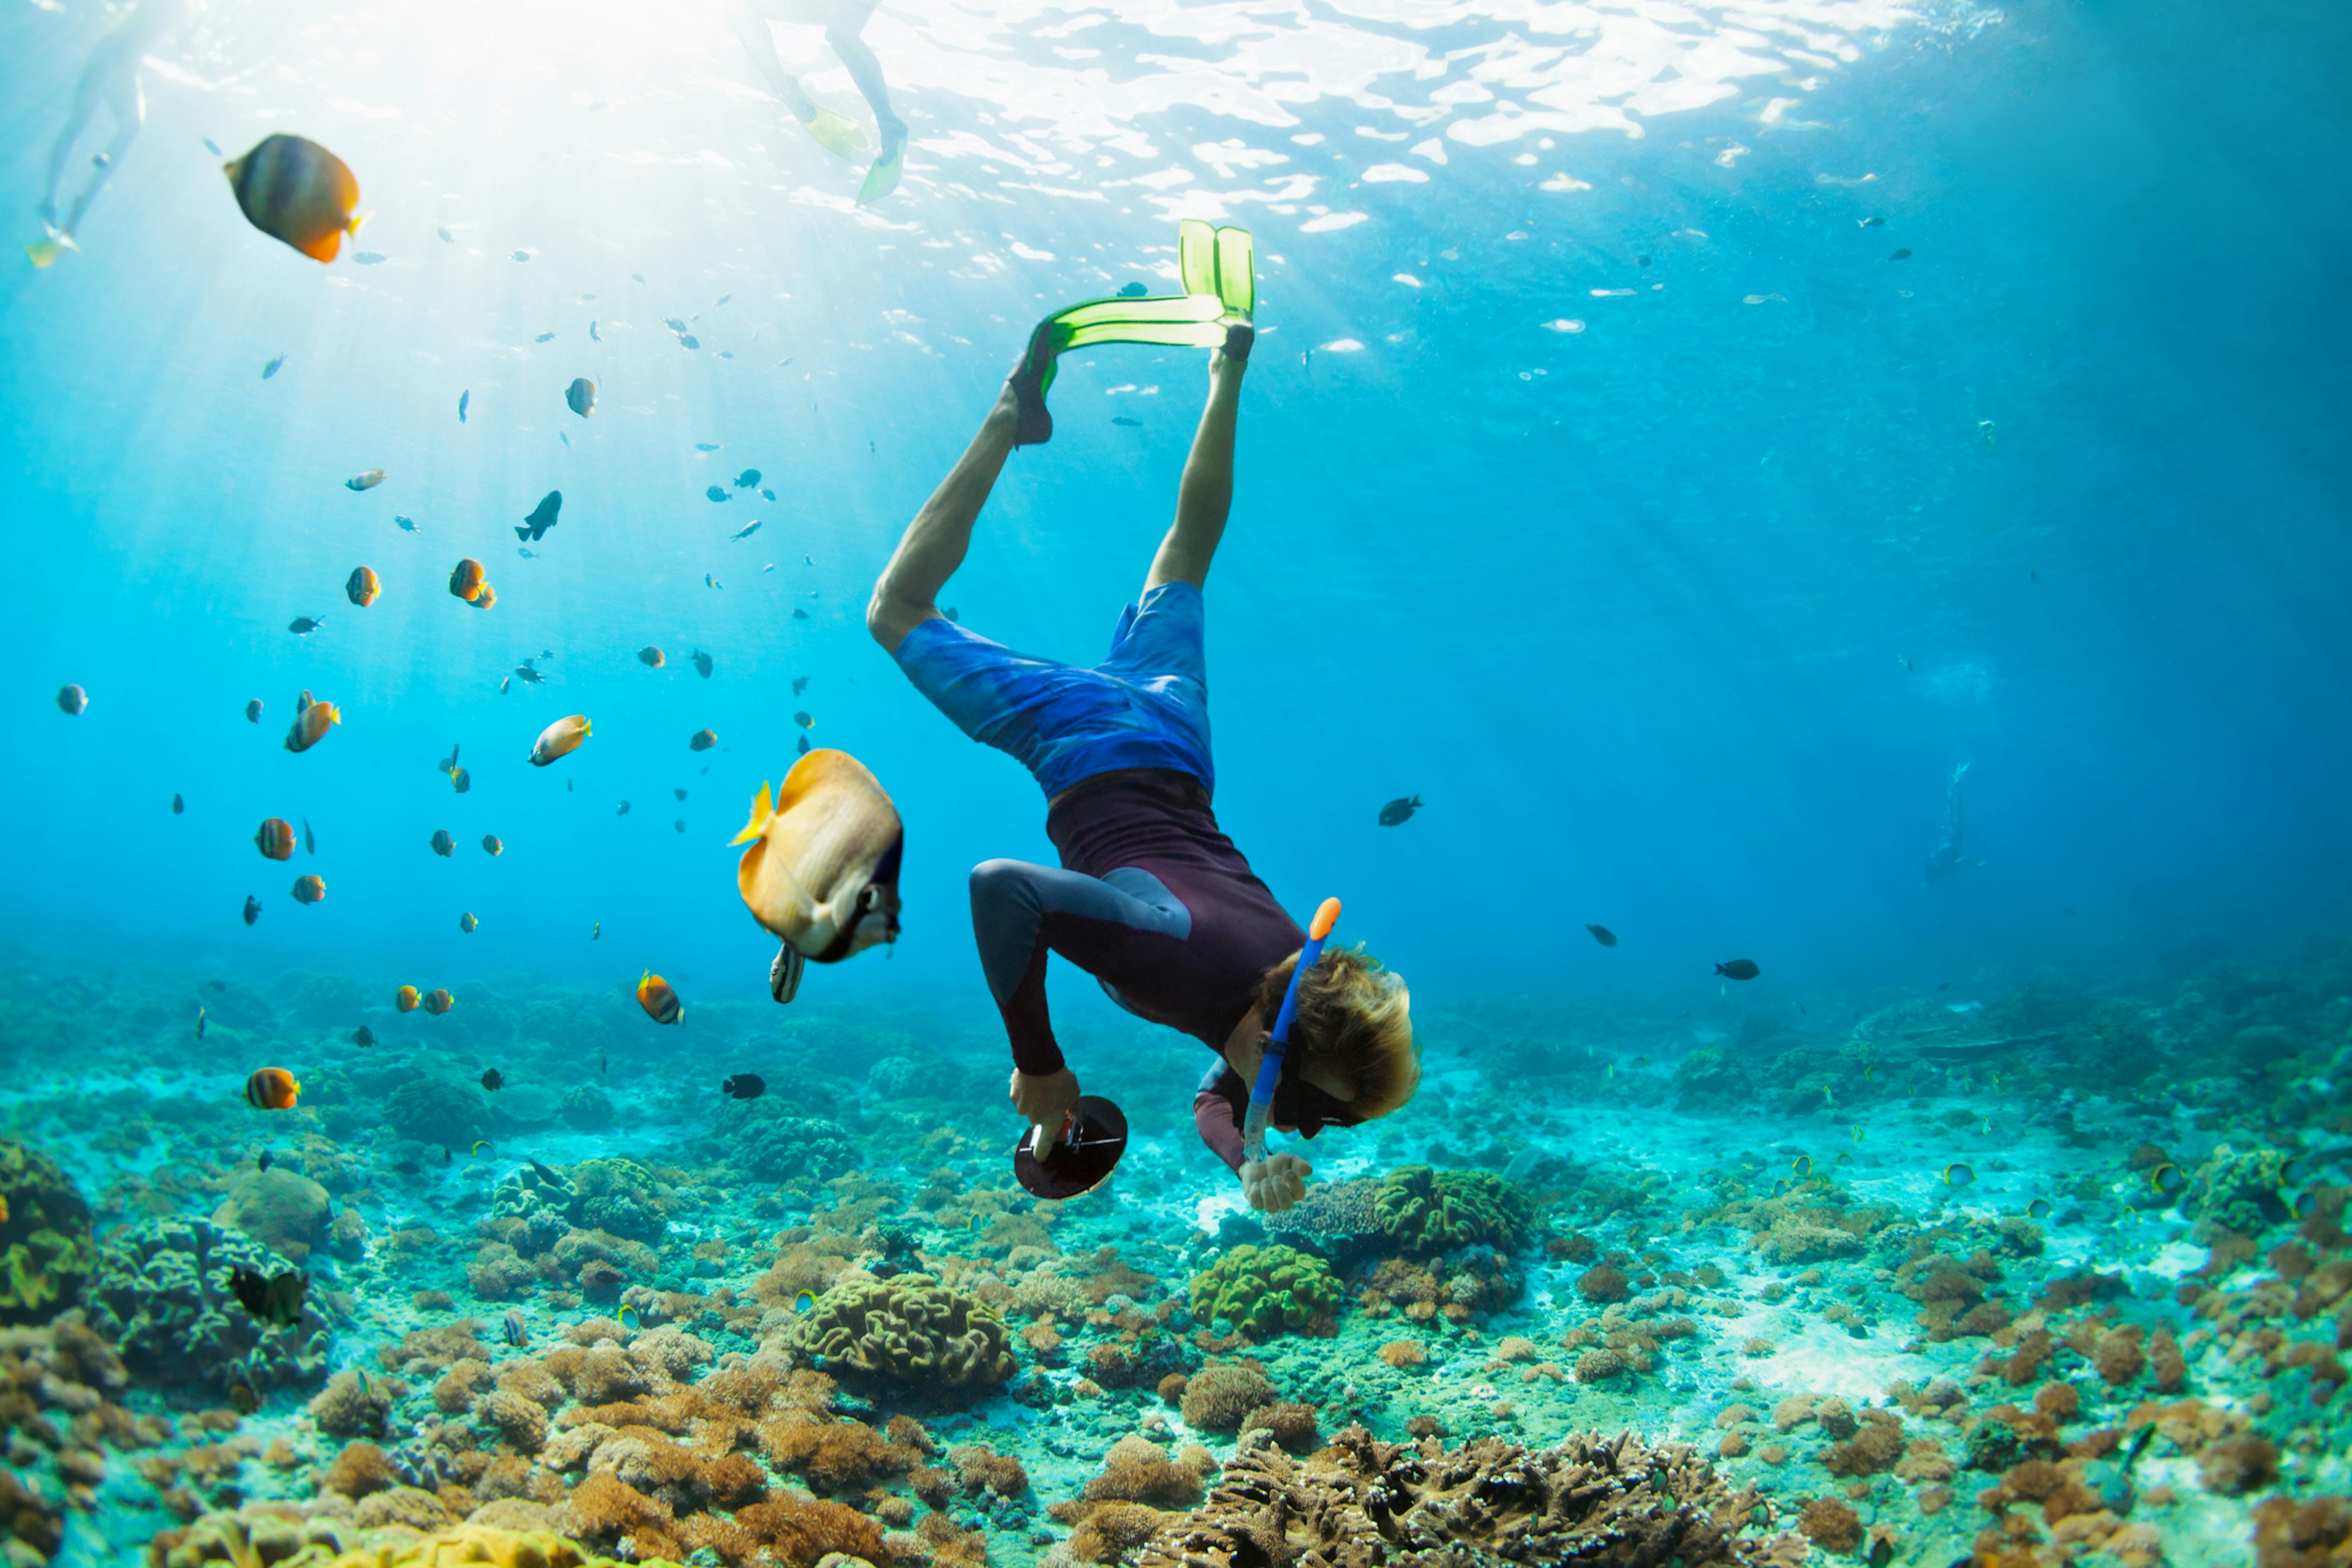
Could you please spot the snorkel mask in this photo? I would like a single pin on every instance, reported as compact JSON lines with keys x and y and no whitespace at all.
{"x":1276,"y":1096}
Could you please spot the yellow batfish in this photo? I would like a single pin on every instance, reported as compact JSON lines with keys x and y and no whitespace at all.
{"x":822,"y":871}
{"x":294,"y":190}
{"x":559,"y":739}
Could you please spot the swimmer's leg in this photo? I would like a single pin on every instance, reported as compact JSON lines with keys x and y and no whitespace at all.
{"x":130,"y":110}
{"x":87,"y":96}
{"x":906,"y":594}
{"x":1204,"y":497}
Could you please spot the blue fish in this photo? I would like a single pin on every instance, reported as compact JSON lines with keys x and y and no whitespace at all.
{"x":463,"y":398}
{"x":273,"y":367}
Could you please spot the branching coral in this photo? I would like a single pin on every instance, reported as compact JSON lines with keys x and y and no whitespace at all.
{"x":907,"y":1328}
{"x":1268,"y":1290}
{"x":1591,"y":1499}
{"x":1423,"y":1211}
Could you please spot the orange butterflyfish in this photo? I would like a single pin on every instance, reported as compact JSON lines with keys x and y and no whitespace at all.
{"x":702,"y":740}
{"x":660,"y":1003}
{"x":274,"y":838}
{"x":363,"y":586}
{"x":465,"y":579}
{"x":490,"y":845}
{"x":311,"y":722}
{"x":559,"y":739}
{"x":406,"y":998}
{"x":272,"y":1089}
{"x":438,"y":1002}
{"x":822,"y":871}
{"x":294,"y":190}
{"x":309,"y":889}
{"x":486,"y":598}
{"x":442,"y":843}
{"x":466,"y":922}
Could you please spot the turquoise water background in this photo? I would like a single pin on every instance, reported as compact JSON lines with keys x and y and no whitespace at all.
{"x":1677,"y":622}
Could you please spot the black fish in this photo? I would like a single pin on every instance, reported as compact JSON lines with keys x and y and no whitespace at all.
{"x":767,"y":494}
{"x":303,"y":625}
{"x":715,"y":493}
{"x":623,"y":811}
{"x":680,"y":793}
{"x":542,"y":1172}
{"x":407,"y":1167}
{"x":702,"y":664}
{"x":541,"y":518}
{"x":200,"y":1023}
{"x":1400,"y":810}
{"x":746,"y":479}
{"x":1902,"y":255}
{"x":261,"y":1161}
{"x":602,"y":1069}
{"x":527,"y":675}
{"x":1134,"y":290}
{"x":494,"y":1080}
{"x":1131,"y":423}
{"x":1739,"y":969}
{"x":242,"y":1399}
{"x":178,"y":806}
{"x":804,"y":750}
{"x":252,"y":908}
{"x":362,"y":1036}
{"x":275,"y":1301}
{"x":798,"y":614}
{"x":463,"y":398}
{"x":310,"y":842}
{"x":1602,"y":935}
{"x":744,"y":1086}
{"x":800,"y":684}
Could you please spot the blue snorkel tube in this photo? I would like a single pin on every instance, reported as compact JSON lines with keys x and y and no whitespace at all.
{"x":1269,"y":1067}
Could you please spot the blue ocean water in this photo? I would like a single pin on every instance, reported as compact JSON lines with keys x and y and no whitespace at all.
{"x":1678,"y":439}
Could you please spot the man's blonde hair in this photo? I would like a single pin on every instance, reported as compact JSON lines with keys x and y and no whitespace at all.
{"x":1355,"y":1023}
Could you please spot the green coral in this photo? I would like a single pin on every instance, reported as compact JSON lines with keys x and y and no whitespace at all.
{"x":263,"y":1533}
{"x":2240,"y":1189}
{"x":1425,"y":1211}
{"x":46,"y":1251}
{"x":1266,"y":1291}
{"x":619,"y":1196}
{"x":908,"y":1329}
{"x":163,"y":1292}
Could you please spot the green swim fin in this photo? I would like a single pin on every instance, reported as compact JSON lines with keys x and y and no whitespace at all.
{"x":1220,"y":293}
{"x":1220,"y":263}
{"x":837,"y":134}
{"x":883,"y":177}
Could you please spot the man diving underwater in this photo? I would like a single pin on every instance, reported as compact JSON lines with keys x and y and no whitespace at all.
{"x":110,"y":80}
{"x":844,"y":22}
{"x":1150,"y":898}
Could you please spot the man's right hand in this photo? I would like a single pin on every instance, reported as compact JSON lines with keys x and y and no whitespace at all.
{"x":1044,"y":1098}
{"x":1276,"y":1182}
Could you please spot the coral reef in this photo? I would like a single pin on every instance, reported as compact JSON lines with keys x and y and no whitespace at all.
{"x":908,"y":1329}
{"x":1268,"y":1290}
{"x":162,"y":1294}
{"x":1591,"y":1499}
{"x":1425,"y":1212}
{"x":765,"y":1139}
{"x":46,"y":1252}
{"x":619,"y":1197}
{"x":1220,"y":1396}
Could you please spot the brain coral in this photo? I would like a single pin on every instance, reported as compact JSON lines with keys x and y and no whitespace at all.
{"x":769,"y":1143}
{"x":160,"y":1292}
{"x":1424,"y":1211}
{"x":1267,"y":1290}
{"x":619,"y":1196}
{"x":431,"y":1110}
{"x":46,"y":1249}
{"x":283,"y":1210}
{"x":908,"y":1329}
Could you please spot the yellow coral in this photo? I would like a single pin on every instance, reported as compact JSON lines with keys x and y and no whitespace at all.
{"x":227,"y":1538}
